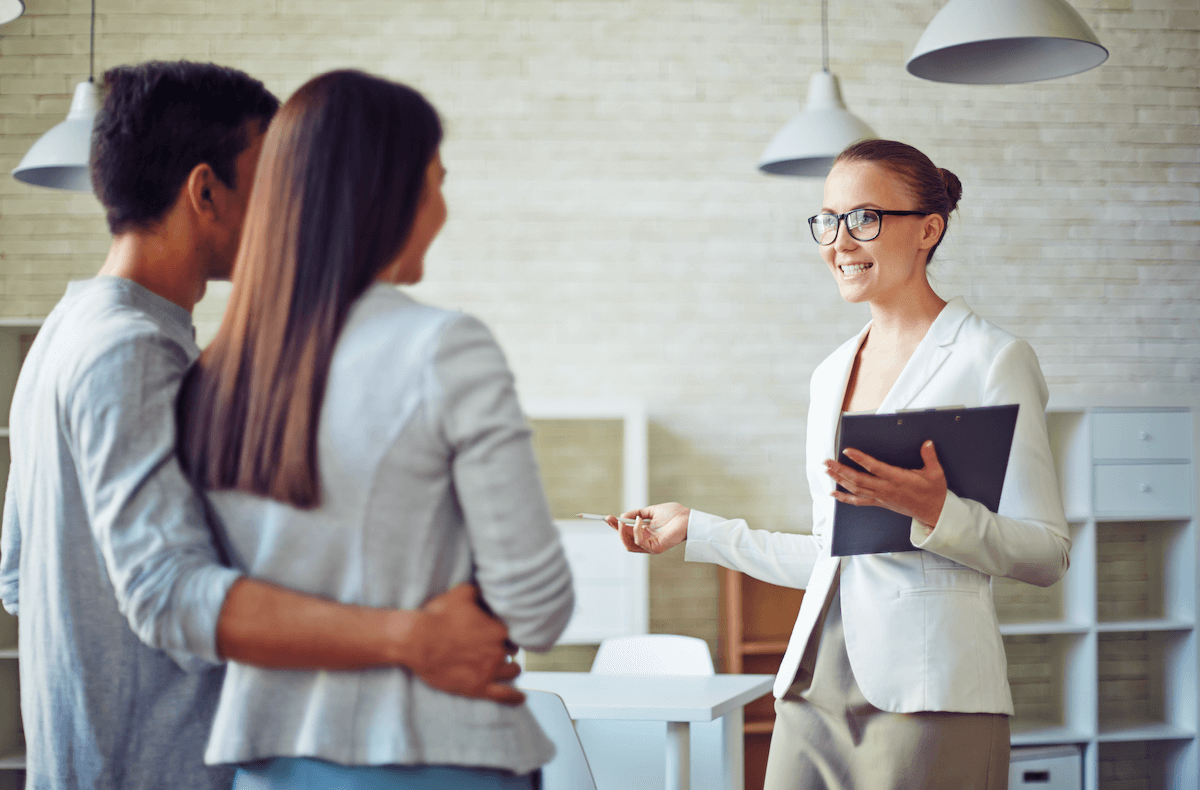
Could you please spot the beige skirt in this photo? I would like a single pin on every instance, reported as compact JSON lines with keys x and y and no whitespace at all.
{"x":828,"y":737}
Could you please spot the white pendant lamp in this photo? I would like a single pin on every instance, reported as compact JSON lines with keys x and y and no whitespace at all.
{"x":807,"y":145}
{"x":10,"y":10}
{"x":59,"y":158}
{"x":992,"y":42}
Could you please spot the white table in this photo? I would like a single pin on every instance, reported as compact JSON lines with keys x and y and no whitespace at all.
{"x":676,"y":699}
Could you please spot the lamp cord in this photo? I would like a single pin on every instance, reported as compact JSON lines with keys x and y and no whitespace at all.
{"x":92,"y":46}
{"x":824,"y":34}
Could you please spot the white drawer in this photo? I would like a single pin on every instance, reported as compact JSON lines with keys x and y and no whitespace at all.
{"x":1141,"y":435}
{"x":1143,"y":489}
{"x":1045,"y":768}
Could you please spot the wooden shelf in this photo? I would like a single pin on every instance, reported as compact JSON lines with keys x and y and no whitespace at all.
{"x":764,"y":648}
{"x":756,"y":620}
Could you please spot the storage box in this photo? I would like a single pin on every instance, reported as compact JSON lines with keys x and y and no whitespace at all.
{"x":1046,"y":768}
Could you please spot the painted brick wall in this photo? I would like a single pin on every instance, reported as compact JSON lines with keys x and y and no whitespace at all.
{"x":607,"y":220}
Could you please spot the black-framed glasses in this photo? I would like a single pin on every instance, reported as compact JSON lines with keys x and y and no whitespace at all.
{"x":863,"y":224}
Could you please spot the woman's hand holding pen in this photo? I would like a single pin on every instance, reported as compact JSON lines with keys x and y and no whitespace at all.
{"x":916,"y":493}
{"x":654,"y":529}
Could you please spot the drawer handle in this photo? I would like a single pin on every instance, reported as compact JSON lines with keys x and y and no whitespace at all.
{"x":1144,"y":435}
{"x":1144,"y":488}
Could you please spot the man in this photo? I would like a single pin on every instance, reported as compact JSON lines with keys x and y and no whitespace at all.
{"x":105,"y":550}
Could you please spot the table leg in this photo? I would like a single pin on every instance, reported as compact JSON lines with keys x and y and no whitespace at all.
{"x":733,"y":731}
{"x":679,"y":744}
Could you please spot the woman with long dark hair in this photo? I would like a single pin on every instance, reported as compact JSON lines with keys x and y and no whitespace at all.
{"x":894,"y":676}
{"x":359,"y":445}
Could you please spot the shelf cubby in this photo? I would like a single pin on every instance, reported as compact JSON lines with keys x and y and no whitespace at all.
{"x":1049,"y":676}
{"x":580,"y":461}
{"x":592,"y":456}
{"x":16,"y":336}
{"x":1150,"y":764}
{"x":1062,"y":608}
{"x":1143,"y":573}
{"x":1141,"y":677}
{"x":12,"y":739}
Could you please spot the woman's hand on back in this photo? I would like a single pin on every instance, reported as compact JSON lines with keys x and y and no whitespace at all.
{"x":916,"y":493}
{"x":659,"y":527}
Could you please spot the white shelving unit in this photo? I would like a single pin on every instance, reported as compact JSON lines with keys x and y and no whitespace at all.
{"x":15,"y":336}
{"x":599,"y":465}
{"x":1107,"y":658}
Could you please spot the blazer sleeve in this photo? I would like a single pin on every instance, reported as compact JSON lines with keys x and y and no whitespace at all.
{"x":1028,"y":539}
{"x":520,"y":565}
{"x":782,"y":558}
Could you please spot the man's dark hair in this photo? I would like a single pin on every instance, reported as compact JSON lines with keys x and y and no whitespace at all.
{"x":161,"y":119}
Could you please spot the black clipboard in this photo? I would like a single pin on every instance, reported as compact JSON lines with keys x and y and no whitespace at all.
{"x":972,"y":446}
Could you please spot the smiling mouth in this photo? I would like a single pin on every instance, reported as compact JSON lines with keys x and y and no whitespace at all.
{"x":854,"y":268}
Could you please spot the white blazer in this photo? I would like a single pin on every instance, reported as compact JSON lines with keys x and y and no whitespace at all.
{"x":921,"y":630}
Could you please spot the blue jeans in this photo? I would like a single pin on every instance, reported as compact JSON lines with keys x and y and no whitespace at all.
{"x":303,"y":773}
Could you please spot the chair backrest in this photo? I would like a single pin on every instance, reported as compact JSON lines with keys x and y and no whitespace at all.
{"x":653,"y":654}
{"x":569,"y":769}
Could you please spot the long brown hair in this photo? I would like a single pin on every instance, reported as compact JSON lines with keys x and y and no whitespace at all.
{"x":338,"y":187}
{"x":936,"y":189}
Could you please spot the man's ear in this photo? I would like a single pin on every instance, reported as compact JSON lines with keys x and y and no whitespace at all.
{"x":199,"y":189}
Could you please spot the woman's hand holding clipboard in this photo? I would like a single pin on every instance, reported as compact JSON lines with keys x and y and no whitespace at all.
{"x":874,"y":513}
{"x":915,"y":493}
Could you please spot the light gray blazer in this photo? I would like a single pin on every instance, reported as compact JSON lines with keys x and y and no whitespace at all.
{"x":921,"y":629}
{"x":428,"y":479}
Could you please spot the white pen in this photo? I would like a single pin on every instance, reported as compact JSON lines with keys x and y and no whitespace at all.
{"x":627,"y":521}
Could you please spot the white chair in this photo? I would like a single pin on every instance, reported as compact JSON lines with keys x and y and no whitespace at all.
{"x":653,"y":654}
{"x":569,"y":769}
{"x":631,"y":754}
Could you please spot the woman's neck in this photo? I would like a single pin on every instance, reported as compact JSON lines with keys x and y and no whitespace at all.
{"x":905,"y":316}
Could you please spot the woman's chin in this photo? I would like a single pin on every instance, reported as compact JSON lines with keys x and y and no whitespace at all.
{"x":852,"y":292}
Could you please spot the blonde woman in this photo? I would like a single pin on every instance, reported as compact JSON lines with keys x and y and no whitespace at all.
{"x":895,"y":674}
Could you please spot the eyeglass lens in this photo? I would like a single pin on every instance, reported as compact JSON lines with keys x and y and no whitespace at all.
{"x":863,"y":225}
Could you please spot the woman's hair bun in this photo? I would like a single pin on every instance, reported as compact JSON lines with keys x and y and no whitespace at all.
{"x":953,"y":187}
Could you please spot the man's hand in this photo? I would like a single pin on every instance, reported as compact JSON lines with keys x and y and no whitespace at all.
{"x":451,"y":643}
{"x":656,"y":528}
{"x":459,"y":648}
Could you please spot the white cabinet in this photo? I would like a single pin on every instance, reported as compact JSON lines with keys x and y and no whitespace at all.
{"x":16,"y":335}
{"x":1107,"y":658}
{"x":593,"y":458}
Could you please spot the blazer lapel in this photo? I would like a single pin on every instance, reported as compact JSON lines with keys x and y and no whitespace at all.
{"x":833,"y":393}
{"x":931,"y":352}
